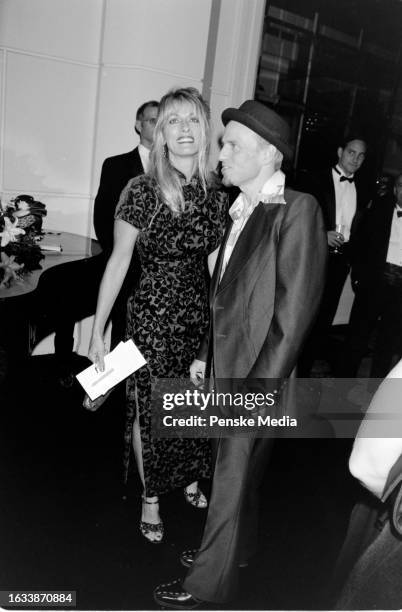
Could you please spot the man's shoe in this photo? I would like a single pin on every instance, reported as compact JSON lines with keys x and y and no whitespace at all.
{"x":172,"y":595}
{"x":187,"y":558}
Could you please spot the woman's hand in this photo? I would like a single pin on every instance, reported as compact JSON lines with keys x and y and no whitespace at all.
{"x":97,"y":352}
{"x":197,"y":372}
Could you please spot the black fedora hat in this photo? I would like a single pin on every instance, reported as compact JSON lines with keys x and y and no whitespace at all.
{"x":264,"y":122}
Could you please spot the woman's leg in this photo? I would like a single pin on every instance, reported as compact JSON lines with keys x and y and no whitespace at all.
{"x":193,"y":487}
{"x":150,"y":512}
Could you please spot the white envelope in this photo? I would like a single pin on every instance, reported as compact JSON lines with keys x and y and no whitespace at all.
{"x":119,"y":363}
{"x":56,"y":248}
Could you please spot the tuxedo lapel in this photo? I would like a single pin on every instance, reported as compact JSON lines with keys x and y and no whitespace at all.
{"x":256,"y":229}
{"x":330,"y":199}
{"x":383,"y":233}
{"x":135,"y":167}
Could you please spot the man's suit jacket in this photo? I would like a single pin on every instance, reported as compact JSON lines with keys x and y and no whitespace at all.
{"x":372,"y":241}
{"x":116,"y":172}
{"x":265,"y":303}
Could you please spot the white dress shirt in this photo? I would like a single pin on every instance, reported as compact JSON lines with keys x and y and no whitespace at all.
{"x":394,"y":255}
{"x":345,"y":200}
{"x":144,"y":155}
{"x":240,"y":211}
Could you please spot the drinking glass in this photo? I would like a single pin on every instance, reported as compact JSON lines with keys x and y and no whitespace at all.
{"x":340,"y":228}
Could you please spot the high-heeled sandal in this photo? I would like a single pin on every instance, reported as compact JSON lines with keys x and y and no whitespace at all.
{"x":196,"y":498}
{"x":151,"y":528}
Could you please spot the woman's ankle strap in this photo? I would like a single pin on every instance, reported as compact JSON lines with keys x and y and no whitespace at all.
{"x":144,"y":499}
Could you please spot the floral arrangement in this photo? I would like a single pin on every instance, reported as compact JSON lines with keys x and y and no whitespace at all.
{"x":20,"y":224}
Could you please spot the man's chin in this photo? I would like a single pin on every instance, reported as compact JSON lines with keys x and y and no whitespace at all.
{"x":226,"y":181}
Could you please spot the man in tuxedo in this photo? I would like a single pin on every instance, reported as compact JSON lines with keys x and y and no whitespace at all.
{"x":57,"y":313}
{"x":264,"y":293}
{"x":377,"y":278}
{"x":343,"y":198}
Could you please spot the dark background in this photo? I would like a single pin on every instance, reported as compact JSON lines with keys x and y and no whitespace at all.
{"x":333,"y":67}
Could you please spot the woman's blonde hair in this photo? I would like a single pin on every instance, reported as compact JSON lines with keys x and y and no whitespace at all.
{"x":160,"y":168}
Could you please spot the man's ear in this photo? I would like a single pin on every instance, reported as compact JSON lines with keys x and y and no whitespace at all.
{"x":138,"y":126}
{"x":339,"y":152}
{"x":268,"y":153}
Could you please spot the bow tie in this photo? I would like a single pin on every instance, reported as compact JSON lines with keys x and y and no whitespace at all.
{"x":344,"y":178}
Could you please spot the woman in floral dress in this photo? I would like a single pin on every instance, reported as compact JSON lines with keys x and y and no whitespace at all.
{"x":176,"y":215}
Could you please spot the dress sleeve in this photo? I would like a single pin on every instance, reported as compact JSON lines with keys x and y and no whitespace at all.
{"x":135,"y":203}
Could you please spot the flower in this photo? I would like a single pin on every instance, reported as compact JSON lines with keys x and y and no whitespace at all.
{"x":20,"y":223}
{"x":10,"y":268}
{"x":10,"y":231}
{"x":22,"y":207}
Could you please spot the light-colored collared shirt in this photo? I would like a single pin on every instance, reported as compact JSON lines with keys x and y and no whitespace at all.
{"x":394,"y":255}
{"x":240,"y":211}
{"x":345,"y":200}
{"x":144,"y":155}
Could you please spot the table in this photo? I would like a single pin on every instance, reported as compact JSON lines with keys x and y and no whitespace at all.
{"x":17,"y":334}
{"x":75,"y":247}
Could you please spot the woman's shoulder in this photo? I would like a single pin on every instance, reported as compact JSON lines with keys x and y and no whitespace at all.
{"x":137,"y":201}
{"x":142,"y":182}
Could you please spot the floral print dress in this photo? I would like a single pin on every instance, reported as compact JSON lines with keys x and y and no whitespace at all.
{"x":168,"y":315}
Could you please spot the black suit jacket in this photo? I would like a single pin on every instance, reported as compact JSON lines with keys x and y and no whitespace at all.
{"x":372,"y":241}
{"x":116,"y":172}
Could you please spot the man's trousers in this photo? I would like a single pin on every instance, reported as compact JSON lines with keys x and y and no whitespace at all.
{"x":230,"y":534}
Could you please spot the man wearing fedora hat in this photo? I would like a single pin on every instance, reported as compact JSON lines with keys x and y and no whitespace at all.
{"x":265,"y":291}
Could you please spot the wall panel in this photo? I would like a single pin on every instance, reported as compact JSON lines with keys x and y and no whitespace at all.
{"x":49,"y":119}
{"x":169,"y":36}
{"x":227,"y":44}
{"x":71,"y":213}
{"x":218,"y":104}
{"x":2,"y":95}
{"x":62,"y":28}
